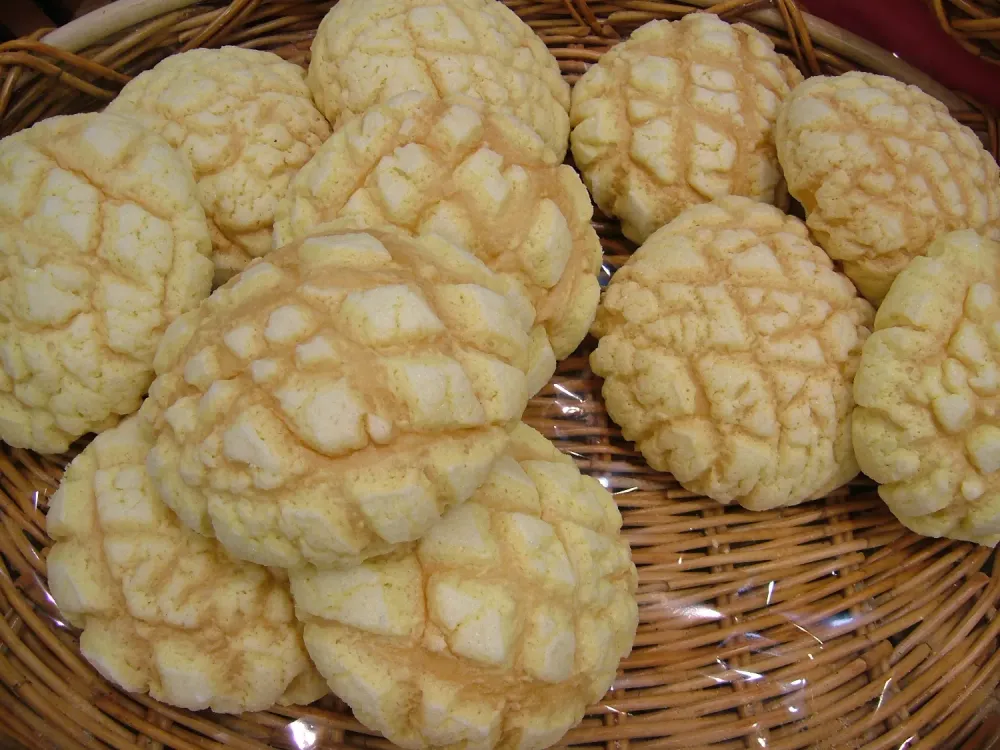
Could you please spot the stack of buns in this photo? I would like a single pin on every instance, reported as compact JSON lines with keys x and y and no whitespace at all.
{"x":735,"y":341}
{"x":329,"y":486}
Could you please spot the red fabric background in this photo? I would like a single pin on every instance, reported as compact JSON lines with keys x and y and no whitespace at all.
{"x":909,"y":28}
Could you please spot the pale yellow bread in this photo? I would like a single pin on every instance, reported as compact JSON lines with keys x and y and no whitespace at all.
{"x":728,"y":345}
{"x":335,"y":398}
{"x":927,"y":421}
{"x":244,"y":122}
{"x":164,"y":610}
{"x":482,"y":180}
{"x":882,"y":169}
{"x":498,"y":628}
{"x":678,"y":114}
{"x":367,"y":51}
{"x":102,"y":244}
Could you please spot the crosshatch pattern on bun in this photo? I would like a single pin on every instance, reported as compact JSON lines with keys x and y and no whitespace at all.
{"x":482,"y":180}
{"x":163,"y":609}
{"x":501,"y":625}
{"x":728,"y":344}
{"x":244,"y":122}
{"x":102,"y":244}
{"x":678,"y":114}
{"x":367,"y":51}
{"x":927,"y":422}
{"x":332,"y":400}
{"x":882,"y":169}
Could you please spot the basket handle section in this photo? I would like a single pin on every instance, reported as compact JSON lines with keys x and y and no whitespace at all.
{"x":101,"y":23}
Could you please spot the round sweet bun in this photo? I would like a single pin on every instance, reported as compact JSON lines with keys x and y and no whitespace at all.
{"x":164,"y":610}
{"x":728,"y":345}
{"x":882,"y":170}
{"x":680,"y":113}
{"x":244,"y":122}
{"x":482,"y":180}
{"x":927,"y":422}
{"x":501,"y":625}
{"x":336,"y":397}
{"x":102,"y":244}
{"x":367,"y":51}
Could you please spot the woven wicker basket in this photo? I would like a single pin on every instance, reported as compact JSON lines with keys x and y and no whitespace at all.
{"x":976,"y":25}
{"x":826,"y":625}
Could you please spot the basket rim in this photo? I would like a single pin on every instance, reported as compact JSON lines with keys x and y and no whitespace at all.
{"x":119,"y":15}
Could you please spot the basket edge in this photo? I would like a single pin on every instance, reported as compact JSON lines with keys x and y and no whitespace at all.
{"x":91,"y":27}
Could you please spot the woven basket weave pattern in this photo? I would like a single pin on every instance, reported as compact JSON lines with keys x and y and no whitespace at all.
{"x":975,"y":24}
{"x":824,"y":625}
